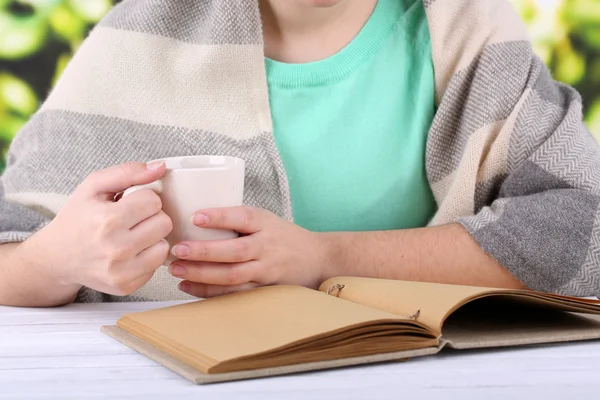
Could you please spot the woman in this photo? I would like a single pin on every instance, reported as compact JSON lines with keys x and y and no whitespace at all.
{"x":399,"y":139}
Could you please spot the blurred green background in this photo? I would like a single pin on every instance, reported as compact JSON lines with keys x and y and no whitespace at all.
{"x":38,"y":37}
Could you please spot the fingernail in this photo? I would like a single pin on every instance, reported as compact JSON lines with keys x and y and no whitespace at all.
{"x":181,"y":250}
{"x":177,"y":270}
{"x":154,"y":165}
{"x":185,"y":287}
{"x":200,"y":219}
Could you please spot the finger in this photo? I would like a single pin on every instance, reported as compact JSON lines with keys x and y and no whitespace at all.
{"x":206,"y":291}
{"x":151,"y":230}
{"x":150,"y":259}
{"x":107,"y":182}
{"x":140,"y":281}
{"x":240,"y":249}
{"x":240,"y":219}
{"x":216,"y":273}
{"x":138,"y":207}
{"x":130,"y":287}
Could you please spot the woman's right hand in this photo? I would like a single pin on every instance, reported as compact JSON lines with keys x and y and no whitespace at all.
{"x":110,"y":246}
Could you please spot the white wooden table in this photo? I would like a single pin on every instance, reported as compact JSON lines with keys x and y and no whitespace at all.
{"x":61,"y":354}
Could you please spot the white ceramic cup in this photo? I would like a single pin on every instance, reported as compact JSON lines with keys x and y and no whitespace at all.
{"x":193,"y":183}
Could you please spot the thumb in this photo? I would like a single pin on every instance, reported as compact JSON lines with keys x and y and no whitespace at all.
{"x":107,"y":182}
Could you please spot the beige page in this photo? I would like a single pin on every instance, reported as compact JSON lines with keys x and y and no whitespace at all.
{"x":261,"y":322}
{"x":435,"y":302}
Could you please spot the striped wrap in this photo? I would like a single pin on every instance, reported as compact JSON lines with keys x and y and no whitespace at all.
{"x":508,"y":156}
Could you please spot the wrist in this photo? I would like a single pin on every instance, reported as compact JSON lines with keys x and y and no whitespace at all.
{"x":40,"y":255}
{"x":331,"y":255}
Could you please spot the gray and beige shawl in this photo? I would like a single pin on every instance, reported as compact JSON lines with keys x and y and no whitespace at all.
{"x":507,"y":156}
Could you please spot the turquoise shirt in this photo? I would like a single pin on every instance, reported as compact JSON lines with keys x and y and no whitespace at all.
{"x":351,"y":129}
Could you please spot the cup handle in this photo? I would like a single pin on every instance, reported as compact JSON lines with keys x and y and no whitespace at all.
{"x":156,"y":187}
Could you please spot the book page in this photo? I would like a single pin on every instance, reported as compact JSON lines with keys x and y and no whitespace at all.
{"x":434,"y":302}
{"x":500,"y":320}
{"x":261,"y":321}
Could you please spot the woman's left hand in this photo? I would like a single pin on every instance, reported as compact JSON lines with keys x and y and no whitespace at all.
{"x":270,"y":250}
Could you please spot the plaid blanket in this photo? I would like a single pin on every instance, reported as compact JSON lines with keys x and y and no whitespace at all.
{"x":508,"y":156}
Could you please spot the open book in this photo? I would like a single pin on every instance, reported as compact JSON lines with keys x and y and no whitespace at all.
{"x":278,"y":330}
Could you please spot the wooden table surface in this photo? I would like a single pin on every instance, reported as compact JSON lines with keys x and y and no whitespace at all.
{"x":61,"y":354}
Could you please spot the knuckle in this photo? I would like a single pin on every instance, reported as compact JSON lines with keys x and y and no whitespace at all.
{"x":107,"y":223}
{"x":201,"y":251}
{"x":120,"y":252}
{"x":110,"y":224}
{"x":120,"y":285}
{"x":89,"y":183}
{"x":93,"y":177}
{"x":242,"y":250}
{"x":160,"y":256}
{"x":234,"y":276}
{"x":166,"y":222}
{"x":152,"y":201}
{"x":248,"y":216}
{"x":146,"y":201}
{"x":270,"y":273}
{"x":111,"y":270}
{"x":127,"y":169}
{"x":164,"y":246}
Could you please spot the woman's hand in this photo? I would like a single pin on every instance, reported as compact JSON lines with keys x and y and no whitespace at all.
{"x":269,"y":251}
{"x":112,"y":247}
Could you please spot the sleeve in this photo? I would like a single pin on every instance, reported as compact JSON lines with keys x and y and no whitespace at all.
{"x":544,"y":223}
{"x":510,"y":157}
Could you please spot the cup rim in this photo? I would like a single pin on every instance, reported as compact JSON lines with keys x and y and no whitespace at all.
{"x":229,"y":161}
